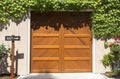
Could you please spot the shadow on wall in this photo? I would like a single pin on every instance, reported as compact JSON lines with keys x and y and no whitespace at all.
{"x":17,"y":57}
{"x":2,"y":26}
{"x":4,"y":65}
{"x":17,"y":21}
{"x":38,"y":76}
{"x":55,"y":19}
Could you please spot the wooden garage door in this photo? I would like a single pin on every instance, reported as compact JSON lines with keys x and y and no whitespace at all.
{"x":61,"y":42}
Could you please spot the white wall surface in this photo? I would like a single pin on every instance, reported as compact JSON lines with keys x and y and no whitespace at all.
{"x":99,"y":52}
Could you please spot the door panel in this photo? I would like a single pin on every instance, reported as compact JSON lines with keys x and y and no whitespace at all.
{"x":61,"y":42}
{"x":45,"y":66}
{"x":45,"y":52}
{"x":76,"y":65}
{"x":76,"y":53}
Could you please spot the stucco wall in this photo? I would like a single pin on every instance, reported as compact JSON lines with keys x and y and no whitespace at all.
{"x":99,"y":52}
{"x":20,"y":46}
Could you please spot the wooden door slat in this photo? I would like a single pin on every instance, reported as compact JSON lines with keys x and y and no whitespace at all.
{"x":76,"y":46}
{"x":76,"y":70}
{"x":76,"y":58}
{"x":45,"y":46}
{"x":44,"y":35}
{"x":44,"y":70}
{"x":45,"y":58}
{"x":77,"y":35}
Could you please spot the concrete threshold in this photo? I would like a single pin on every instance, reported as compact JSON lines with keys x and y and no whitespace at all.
{"x":63,"y":76}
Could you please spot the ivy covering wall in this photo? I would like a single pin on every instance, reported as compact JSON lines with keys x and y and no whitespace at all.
{"x":105,"y":19}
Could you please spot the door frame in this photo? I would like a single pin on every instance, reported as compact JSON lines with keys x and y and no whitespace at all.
{"x":29,"y":48}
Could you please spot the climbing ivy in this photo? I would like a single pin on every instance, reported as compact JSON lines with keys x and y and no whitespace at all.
{"x":46,"y":5}
{"x":105,"y":19}
{"x":14,"y":9}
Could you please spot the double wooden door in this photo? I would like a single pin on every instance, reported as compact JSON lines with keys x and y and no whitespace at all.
{"x":60,"y":44}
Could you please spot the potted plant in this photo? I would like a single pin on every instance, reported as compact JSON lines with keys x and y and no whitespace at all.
{"x":112,"y":59}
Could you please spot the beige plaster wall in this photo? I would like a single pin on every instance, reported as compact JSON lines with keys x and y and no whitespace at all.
{"x":20,"y":46}
{"x":99,"y":53}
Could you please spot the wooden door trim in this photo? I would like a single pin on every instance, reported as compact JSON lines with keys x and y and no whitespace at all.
{"x":78,"y":35}
{"x":76,"y":58}
{"x":76,"y":46}
{"x":44,"y":35}
{"x":45,"y":58}
{"x":45,"y":46}
{"x":61,"y":51}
